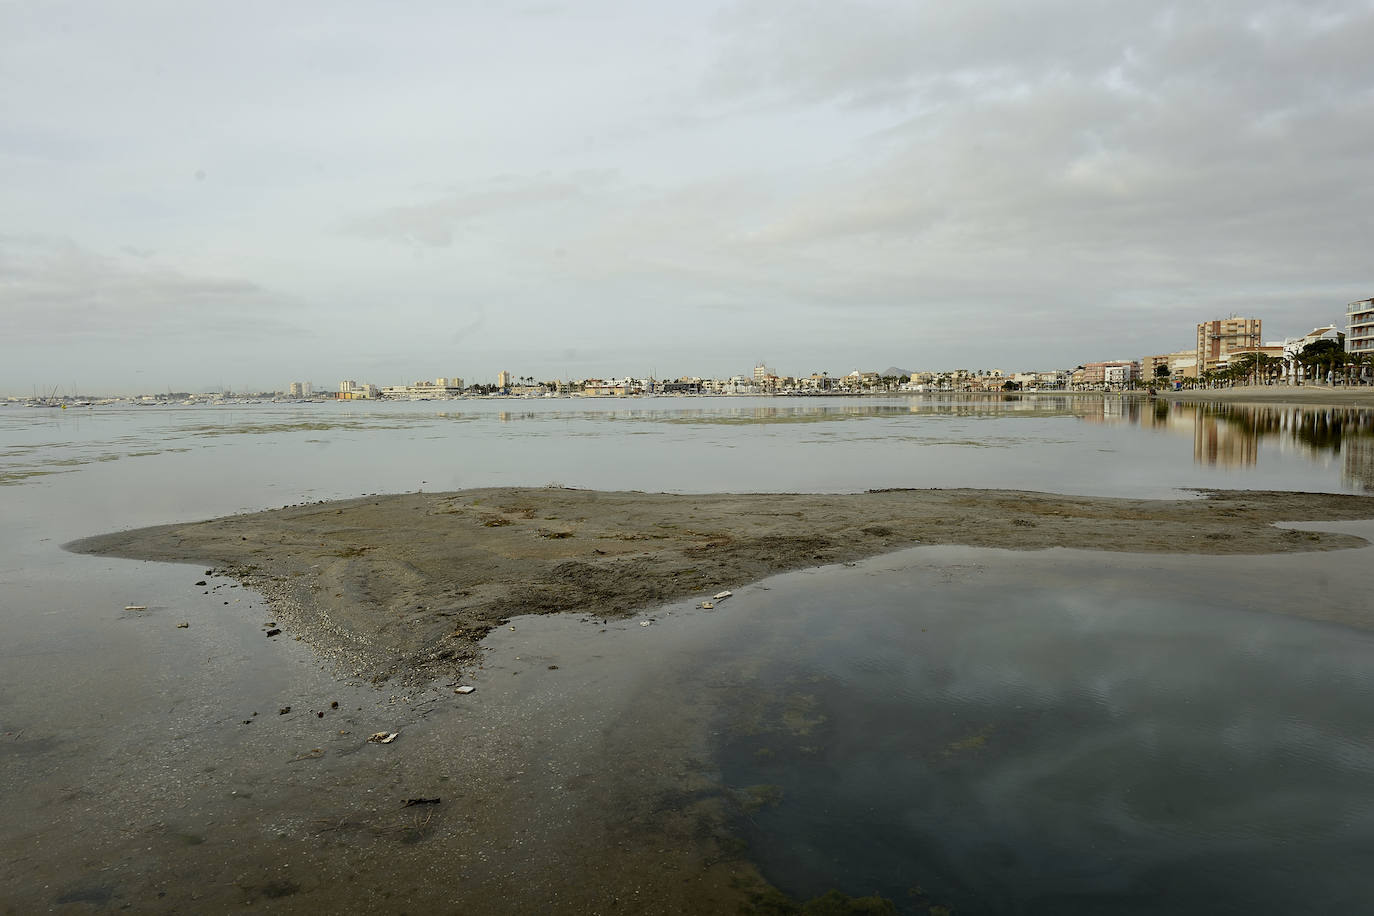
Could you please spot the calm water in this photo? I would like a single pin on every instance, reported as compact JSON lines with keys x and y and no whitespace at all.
{"x":1048,"y":732}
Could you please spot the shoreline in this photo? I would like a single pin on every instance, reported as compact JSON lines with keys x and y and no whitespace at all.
{"x":409,"y":585}
{"x":1305,"y":395}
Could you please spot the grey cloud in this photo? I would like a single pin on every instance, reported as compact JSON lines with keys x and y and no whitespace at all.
{"x":433,"y":223}
{"x":1095,"y":147}
{"x":785,"y":175}
{"x":54,"y":289}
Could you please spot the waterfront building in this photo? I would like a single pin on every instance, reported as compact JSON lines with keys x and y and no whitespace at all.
{"x":350,"y":390}
{"x":1296,"y":373}
{"x":503,"y":379}
{"x":1182,"y":365}
{"x":1359,"y":326}
{"x":1149,"y":367}
{"x":1216,"y":340}
{"x":439,"y":389}
{"x":1110,"y":372}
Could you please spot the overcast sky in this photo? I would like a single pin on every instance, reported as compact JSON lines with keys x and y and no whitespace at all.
{"x":246,"y":194}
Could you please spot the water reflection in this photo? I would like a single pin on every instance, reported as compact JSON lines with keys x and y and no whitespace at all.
{"x":1230,"y":435}
{"x":1055,"y":733}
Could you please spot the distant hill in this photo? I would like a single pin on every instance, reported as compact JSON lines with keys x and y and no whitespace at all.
{"x":893,"y":370}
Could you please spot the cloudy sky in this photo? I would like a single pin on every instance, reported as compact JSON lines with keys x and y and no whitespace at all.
{"x":245,"y":194}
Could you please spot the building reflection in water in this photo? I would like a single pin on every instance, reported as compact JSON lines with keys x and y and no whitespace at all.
{"x":1229,"y":435}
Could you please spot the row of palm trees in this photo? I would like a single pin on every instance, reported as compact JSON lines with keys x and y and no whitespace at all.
{"x":1319,"y":360}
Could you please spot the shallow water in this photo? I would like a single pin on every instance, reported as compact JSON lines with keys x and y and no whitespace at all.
{"x":1082,"y":790}
{"x":1049,"y":733}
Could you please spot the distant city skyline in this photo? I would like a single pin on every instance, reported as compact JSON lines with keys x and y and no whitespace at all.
{"x":258,"y":192}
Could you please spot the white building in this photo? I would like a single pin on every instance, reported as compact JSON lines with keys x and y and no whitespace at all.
{"x":1293,"y":347}
{"x":1359,"y":326}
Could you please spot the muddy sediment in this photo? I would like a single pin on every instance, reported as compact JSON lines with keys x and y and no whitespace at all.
{"x":410,"y":584}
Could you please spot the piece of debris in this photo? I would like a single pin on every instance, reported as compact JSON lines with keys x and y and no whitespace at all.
{"x":201,"y":582}
{"x":312,"y":754}
{"x":334,"y":705}
{"x":273,"y":632}
{"x":135,"y":607}
{"x":183,"y":625}
{"x":284,"y":710}
{"x":706,"y":605}
{"x":645,"y":623}
{"x":412,"y":802}
{"x":466,"y":688}
{"x":721,"y":596}
{"x":319,"y":715}
{"x":383,"y":737}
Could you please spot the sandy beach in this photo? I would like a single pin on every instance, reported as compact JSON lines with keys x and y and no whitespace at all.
{"x":409,"y":585}
{"x":1305,"y":395}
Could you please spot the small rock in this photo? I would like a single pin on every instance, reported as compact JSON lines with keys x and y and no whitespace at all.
{"x":319,"y":715}
{"x":201,"y":582}
{"x":183,"y":625}
{"x":272,"y":632}
{"x":464,"y":689}
{"x":284,"y":710}
{"x":645,"y":623}
{"x":334,"y":705}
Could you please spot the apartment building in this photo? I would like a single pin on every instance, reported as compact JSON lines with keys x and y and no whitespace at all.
{"x":1110,"y":372}
{"x":1149,"y":366}
{"x":1216,"y":340}
{"x":1359,"y":326}
{"x":350,"y":390}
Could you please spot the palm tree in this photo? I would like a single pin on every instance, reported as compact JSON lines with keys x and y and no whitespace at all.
{"x":1322,"y":355}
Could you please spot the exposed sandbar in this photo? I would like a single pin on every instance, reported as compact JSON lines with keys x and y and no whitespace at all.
{"x":411,"y":583}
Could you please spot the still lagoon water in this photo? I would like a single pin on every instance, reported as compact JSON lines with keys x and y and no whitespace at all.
{"x":1009,"y":732}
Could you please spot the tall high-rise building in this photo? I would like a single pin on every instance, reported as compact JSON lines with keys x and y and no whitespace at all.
{"x":1216,"y":340}
{"x":503,"y":379}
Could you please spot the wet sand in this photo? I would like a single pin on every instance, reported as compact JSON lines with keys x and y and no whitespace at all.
{"x":407,"y":586}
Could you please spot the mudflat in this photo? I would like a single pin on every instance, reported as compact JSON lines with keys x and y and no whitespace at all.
{"x":409,"y":584}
